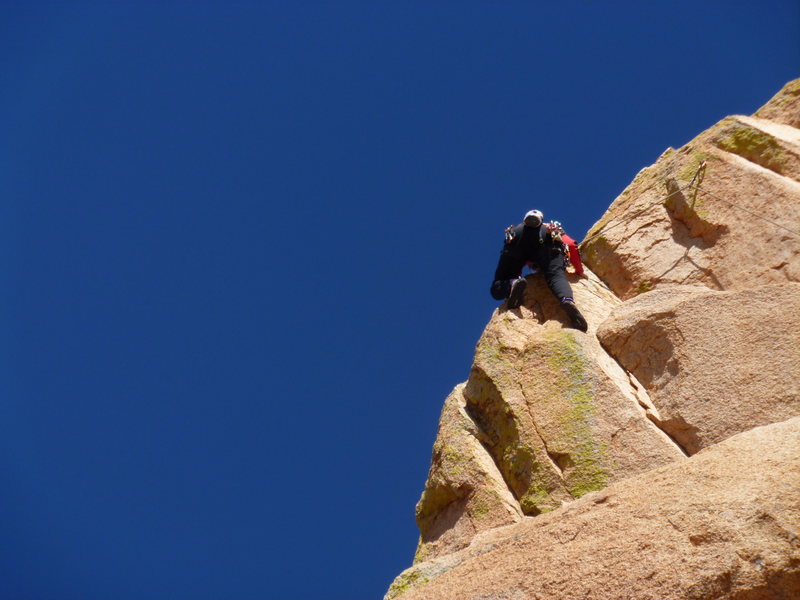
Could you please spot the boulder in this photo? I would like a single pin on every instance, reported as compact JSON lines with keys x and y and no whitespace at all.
{"x":545,"y":417}
{"x":722,"y":524}
{"x":733,"y":224}
{"x":465,"y":493}
{"x":713,"y":363}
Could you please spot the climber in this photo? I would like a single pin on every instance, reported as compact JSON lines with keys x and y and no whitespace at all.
{"x":538,"y":244}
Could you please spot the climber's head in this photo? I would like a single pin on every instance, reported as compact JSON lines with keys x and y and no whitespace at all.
{"x":534,"y":218}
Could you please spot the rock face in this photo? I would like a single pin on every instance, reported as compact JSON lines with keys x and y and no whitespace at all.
{"x":560,"y":467}
{"x":783,"y":107}
{"x":545,"y":417}
{"x":722,"y":524}
{"x":465,"y":493}
{"x":732,"y":225}
{"x":714,"y":363}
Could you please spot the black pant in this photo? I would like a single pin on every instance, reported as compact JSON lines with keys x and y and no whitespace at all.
{"x":550,"y":263}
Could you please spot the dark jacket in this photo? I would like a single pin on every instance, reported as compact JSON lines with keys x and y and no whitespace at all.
{"x":533,"y":244}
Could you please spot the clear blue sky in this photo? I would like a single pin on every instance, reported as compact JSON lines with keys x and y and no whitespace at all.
{"x":246,"y":253}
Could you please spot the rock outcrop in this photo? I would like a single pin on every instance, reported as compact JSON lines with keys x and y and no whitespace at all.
{"x":714,"y":363}
{"x":723,"y":524}
{"x":545,"y":417}
{"x":465,"y":493}
{"x":731,"y":225}
{"x":782,"y":108}
{"x":560,"y":467}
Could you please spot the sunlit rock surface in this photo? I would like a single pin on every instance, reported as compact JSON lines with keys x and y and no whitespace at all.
{"x":722,"y":524}
{"x":713,"y":363}
{"x":560,"y":467}
{"x":737,"y":230}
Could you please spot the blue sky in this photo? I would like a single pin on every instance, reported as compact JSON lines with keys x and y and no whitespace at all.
{"x":246,"y":253}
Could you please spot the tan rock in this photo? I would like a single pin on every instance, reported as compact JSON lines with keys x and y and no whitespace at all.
{"x":784,"y":106}
{"x":723,"y":524}
{"x":707,"y":345}
{"x":560,"y":417}
{"x":714,"y":363}
{"x":546,"y":416}
{"x":465,"y":493}
{"x":738,"y":229}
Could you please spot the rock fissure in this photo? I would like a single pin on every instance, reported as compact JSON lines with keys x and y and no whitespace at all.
{"x":550,"y":455}
{"x":483,"y":440}
{"x":658,"y":423}
{"x":647,"y":409}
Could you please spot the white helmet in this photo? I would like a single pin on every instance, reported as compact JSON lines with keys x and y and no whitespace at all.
{"x":534,"y":218}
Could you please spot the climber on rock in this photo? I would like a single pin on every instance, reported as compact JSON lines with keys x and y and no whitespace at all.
{"x":536,"y":243}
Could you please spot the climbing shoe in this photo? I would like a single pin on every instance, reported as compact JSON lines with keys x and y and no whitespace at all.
{"x":578,"y":322}
{"x":517,"y":292}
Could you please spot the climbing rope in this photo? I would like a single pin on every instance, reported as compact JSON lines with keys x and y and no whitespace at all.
{"x":700,"y":173}
{"x":747,"y":210}
{"x":636,"y":214}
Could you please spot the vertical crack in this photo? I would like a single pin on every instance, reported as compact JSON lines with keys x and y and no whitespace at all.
{"x":646,"y":407}
{"x":652,"y":419}
{"x":552,"y":456}
{"x":483,"y":440}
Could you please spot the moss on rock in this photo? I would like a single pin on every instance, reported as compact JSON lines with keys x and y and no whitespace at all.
{"x":756,"y":146}
{"x":584,"y":452}
{"x":782,"y":108}
{"x":537,"y":501}
{"x":482,"y":503}
{"x":684,"y":211}
{"x":689,"y":168}
{"x":523,"y":466}
{"x":421,"y":552}
{"x":596,"y":249}
{"x":404,"y":582}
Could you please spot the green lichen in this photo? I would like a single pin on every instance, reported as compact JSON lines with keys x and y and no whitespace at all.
{"x":565,"y":386}
{"x":480,"y":507}
{"x":693,"y":212}
{"x":684,"y":211}
{"x":404,"y":582}
{"x":644,"y":286}
{"x":787,"y":95}
{"x":689,"y":168}
{"x":437,"y":494}
{"x":756,"y":146}
{"x":452,"y":462}
{"x":421,"y":553}
{"x":595,"y":250}
{"x":699,"y":209}
{"x":519,"y":463}
{"x":578,"y":460}
{"x":666,"y":154}
{"x":607,"y":218}
{"x":488,"y":350}
{"x":537,"y":500}
{"x":586,"y":451}
{"x":520,"y":456}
